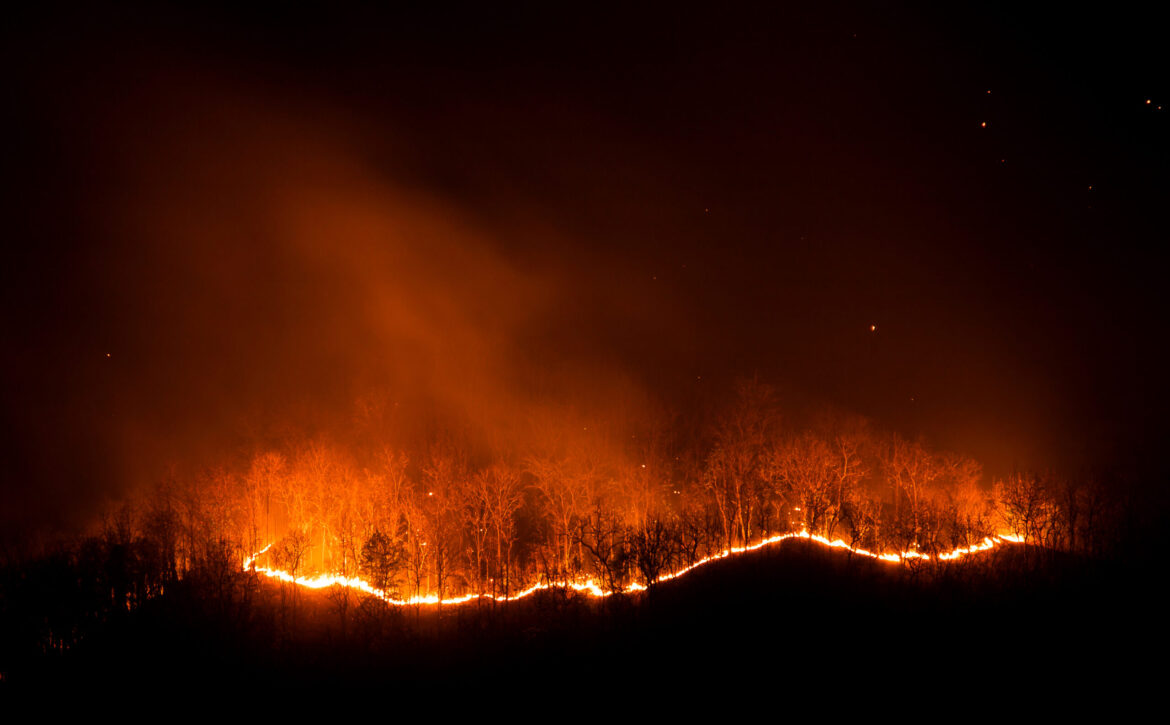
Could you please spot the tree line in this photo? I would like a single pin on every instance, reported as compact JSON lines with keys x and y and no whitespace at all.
{"x":451,"y":521}
{"x":448,"y":518}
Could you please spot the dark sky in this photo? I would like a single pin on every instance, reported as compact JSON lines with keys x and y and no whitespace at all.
{"x":223,"y":225}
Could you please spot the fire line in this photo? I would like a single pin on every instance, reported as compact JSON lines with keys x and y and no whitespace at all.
{"x":589,"y":587}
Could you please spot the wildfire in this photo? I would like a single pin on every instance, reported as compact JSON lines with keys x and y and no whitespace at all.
{"x":589,"y":587}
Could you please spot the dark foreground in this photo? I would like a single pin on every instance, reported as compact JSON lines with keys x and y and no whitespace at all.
{"x":797,"y":619}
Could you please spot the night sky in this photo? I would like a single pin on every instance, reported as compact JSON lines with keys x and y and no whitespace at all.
{"x":225,"y":228}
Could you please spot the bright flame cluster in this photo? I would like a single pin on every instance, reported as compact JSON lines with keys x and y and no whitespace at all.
{"x":589,"y":587}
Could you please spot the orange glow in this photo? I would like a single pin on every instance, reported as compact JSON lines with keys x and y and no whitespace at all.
{"x":591,"y":588}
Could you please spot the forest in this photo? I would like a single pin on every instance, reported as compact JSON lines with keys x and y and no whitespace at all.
{"x":613,"y":508}
{"x":574,"y":361}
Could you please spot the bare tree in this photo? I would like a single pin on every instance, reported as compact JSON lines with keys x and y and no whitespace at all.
{"x":564,"y":493}
{"x":501,"y":493}
{"x":601,"y":534}
{"x":1024,"y":505}
{"x":911,"y":469}
{"x":289,"y":554}
{"x":863,"y":516}
{"x":652,"y":546}
{"x":263,"y":481}
{"x":848,"y":470}
{"x":969,"y":506}
{"x":804,"y":471}
{"x":697,"y":530}
{"x":473,"y":506}
{"x":734,"y":470}
{"x":417,"y":554}
{"x":445,"y":475}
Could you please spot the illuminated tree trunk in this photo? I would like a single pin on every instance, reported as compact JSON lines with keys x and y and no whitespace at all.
{"x":499,"y":560}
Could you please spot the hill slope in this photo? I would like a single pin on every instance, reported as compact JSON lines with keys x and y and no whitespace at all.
{"x":798,"y":614}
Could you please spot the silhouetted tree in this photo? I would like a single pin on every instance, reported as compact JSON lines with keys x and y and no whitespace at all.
{"x":652,"y":546}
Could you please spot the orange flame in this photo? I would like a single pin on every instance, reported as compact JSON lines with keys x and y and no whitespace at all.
{"x":589,"y":587}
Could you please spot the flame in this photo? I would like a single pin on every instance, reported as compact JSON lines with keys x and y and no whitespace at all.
{"x":589,"y":587}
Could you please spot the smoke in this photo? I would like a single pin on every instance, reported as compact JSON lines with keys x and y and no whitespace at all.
{"x":251,"y":273}
{"x":232,"y":236}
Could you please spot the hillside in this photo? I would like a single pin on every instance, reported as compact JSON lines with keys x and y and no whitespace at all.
{"x":798,"y":613}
